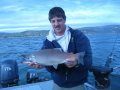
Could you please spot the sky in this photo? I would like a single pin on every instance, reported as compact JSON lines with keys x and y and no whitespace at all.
{"x":22,"y":15}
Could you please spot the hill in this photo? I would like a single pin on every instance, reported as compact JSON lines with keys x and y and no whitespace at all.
{"x":24,"y":34}
{"x":101,"y":29}
{"x":88,"y":30}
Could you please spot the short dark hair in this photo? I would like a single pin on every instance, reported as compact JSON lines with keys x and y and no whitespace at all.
{"x":58,"y":12}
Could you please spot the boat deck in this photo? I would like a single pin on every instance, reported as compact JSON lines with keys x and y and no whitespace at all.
{"x":46,"y":85}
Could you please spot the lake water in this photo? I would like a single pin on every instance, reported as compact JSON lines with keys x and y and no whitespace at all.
{"x":102,"y":44}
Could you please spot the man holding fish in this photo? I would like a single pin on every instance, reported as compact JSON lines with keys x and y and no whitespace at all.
{"x":70,"y":48}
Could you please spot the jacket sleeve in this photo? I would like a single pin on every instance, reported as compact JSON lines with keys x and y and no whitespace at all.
{"x":83,"y":45}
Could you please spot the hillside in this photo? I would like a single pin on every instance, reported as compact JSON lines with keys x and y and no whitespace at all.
{"x":24,"y":34}
{"x":88,"y":30}
{"x":101,"y":29}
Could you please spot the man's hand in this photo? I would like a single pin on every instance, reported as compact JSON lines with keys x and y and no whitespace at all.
{"x":71,"y":60}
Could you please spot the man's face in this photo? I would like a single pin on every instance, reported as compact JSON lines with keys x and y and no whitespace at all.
{"x":58,"y":24}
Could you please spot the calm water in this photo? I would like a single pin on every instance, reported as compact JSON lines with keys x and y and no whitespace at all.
{"x":102,"y":44}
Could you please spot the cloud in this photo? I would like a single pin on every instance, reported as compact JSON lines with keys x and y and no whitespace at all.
{"x":11,"y":8}
{"x":34,"y":12}
{"x":94,"y":14}
{"x":78,"y":2}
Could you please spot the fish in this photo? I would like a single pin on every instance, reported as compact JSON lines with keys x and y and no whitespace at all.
{"x":49,"y":57}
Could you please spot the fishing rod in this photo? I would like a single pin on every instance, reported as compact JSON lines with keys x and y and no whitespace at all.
{"x":110,"y":57}
{"x":102,"y":73}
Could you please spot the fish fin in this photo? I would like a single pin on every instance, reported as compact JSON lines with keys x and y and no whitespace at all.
{"x":65,"y":61}
{"x":79,"y":57}
{"x":55,"y":66}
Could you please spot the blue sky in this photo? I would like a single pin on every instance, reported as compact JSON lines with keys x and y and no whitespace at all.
{"x":21,"y":15}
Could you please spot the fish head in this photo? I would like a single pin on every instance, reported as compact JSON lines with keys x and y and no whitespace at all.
{"x":28,"y":58}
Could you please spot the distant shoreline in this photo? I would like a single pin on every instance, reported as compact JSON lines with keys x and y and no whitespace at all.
{"x":87,"y":30}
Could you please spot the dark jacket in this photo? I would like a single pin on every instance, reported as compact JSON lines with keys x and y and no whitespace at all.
{"x":77,"y":75}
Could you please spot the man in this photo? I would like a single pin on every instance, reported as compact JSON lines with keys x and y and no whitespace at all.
{"x":73,"y":74}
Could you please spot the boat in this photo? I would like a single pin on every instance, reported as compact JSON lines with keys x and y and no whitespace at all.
{"x":9,"y":79}
{"x":47,"y":85}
